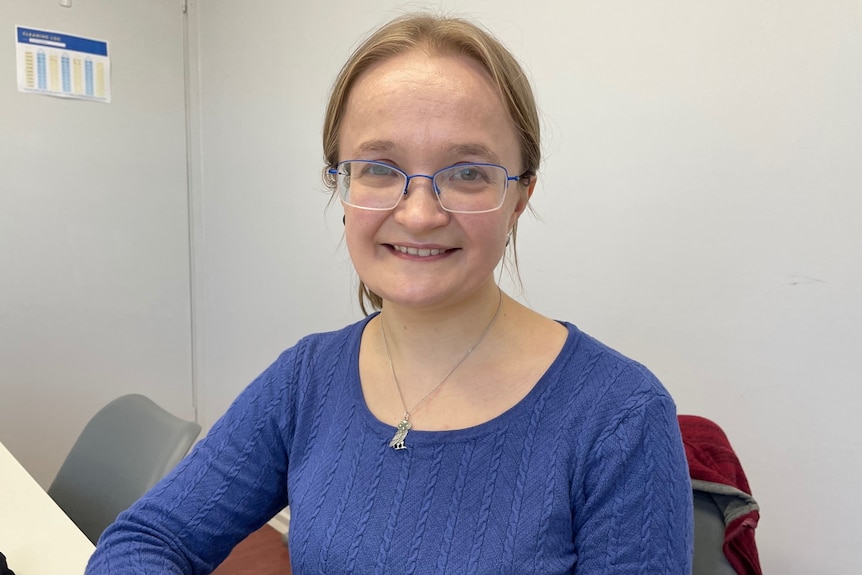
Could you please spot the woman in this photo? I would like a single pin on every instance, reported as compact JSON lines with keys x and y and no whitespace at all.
{"x":456,"y":431}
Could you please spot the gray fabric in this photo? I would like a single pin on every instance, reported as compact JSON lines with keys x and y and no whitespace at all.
{"x":731,"y":501}
{"x":709,"y":527}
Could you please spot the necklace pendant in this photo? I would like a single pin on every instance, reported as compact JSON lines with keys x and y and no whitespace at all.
{"x":401,"y":434}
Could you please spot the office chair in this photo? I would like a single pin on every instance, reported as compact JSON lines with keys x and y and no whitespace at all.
{"x":709,"y":533}
{"x":125,"y":449}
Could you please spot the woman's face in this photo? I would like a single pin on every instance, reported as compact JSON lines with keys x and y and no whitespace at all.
{"x":422,"y":113}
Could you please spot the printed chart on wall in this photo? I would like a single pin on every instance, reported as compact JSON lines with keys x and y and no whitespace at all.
{"x":62,"y":65}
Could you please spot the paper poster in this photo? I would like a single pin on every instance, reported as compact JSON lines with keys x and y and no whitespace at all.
{"x":56,"y":64}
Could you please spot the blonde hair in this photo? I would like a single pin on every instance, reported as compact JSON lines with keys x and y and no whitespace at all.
{"x":436,"y":35}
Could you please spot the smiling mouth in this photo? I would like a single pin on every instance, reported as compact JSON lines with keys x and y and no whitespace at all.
{"x":421,"y":252}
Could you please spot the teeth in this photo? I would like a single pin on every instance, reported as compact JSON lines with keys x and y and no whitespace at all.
{"x":418,"y":252}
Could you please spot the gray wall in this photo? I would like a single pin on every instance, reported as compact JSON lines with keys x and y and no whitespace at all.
{"x":699,"y":209}
{"x":94,"y":250}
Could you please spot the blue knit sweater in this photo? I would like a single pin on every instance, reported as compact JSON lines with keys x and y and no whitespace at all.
{"x":585,"y":475}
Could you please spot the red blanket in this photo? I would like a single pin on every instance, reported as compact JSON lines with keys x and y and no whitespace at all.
{"x":715,"y":468}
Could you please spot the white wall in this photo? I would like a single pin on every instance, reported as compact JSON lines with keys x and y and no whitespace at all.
{"x":700,"y":206}
{"x":94,"y":251}
{"x":699,"y":210}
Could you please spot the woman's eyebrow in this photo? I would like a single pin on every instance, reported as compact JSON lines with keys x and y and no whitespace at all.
{"x":455,"y":151}
{"x":375,"y":146}
{"x":474,"y":150}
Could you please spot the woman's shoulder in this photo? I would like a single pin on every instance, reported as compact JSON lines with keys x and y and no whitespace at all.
{"x":599,"y":380}
{"x":300,"y":374}
{"x":612,"y":404}
{"x":604,"y":365}
{"x":296,"y":367}
{"x":324,"y":344}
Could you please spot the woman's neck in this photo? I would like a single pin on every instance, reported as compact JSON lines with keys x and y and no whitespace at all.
{"x":436,"y":334}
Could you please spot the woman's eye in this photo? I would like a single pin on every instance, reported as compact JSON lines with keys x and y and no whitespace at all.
{"x":469,"y":174}
{"x":378,"y":170}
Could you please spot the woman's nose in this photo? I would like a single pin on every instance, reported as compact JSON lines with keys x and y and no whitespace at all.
{"x":420,"y":206}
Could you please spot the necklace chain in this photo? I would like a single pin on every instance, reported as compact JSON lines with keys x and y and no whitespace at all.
{"x":404,"y":426}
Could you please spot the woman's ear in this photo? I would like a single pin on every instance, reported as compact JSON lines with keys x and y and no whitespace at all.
{"x":525,"y":192}
{"x":531,"y":186}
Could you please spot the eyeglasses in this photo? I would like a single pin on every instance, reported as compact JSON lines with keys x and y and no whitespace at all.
{"x":462,"y":188}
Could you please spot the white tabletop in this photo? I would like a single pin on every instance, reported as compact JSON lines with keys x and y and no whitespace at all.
{"x":36,"y":537}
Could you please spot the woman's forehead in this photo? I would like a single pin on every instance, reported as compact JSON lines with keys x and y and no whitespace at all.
{"x":448,"y":102}
{"x":416,"y":77}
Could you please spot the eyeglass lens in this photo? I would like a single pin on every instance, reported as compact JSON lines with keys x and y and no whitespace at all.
{"x":460,"y":188}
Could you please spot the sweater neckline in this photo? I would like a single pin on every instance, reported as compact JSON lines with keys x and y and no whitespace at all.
{"x":432,"y":438}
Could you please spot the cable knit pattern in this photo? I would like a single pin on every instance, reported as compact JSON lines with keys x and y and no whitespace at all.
{"x":365,"y":517}
{"x":586,"y":475}
{"x":454,"y":508}
{"x":393,"y":517}
{"x":424,"y":510}
{"x":339,"y":512}
{"x":547,"y":512}
{"x":484,"y":511}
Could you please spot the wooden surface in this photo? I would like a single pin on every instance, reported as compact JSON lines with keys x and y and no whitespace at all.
{"x":261,"y":553}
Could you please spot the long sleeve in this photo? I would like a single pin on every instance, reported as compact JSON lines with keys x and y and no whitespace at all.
{"x":232,"y":482}
{"x":635,"y":500}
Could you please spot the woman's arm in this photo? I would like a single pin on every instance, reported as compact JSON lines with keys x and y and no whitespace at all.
{"x":636,"y":502}
{"x":232,"y":482}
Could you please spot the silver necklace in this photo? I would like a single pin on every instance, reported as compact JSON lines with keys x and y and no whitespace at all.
{"x":404,"y":426}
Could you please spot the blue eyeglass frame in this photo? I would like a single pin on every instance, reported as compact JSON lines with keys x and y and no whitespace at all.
{"x":432,"y":177}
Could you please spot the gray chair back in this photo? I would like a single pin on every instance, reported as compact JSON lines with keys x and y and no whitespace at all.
{"x":125,"y":449}
{"x":709,"y":528}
